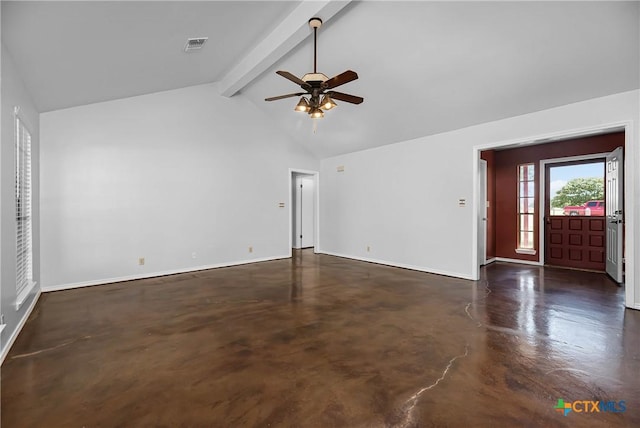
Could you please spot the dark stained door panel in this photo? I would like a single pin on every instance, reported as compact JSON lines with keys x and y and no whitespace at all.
{"x":576,"y":242}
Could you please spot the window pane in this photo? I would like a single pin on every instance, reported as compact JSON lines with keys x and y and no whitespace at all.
{"x":527,"y":189}
{"x":526,"y":223}
{"x":527,"y":205}
{"x":526,"y":240}
{"x":574,"y":185}
{"x":526,"y":172}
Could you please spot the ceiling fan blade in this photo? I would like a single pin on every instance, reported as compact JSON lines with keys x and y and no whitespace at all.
{"x":294,"y":79}
{"x":279,"y":97}
{"x":340,"y":79}
{"x":346,"y":97}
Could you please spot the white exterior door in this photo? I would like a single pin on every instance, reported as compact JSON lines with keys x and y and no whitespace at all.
{"x":614,"y":178}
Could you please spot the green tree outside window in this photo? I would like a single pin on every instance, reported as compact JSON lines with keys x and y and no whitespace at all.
{"x":578,"y":191}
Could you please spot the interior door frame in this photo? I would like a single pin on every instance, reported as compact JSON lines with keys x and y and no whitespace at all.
{"x":542,"y":244}
{"x":632,"y":293}
{"x":316,"y":220}
{"x":482,"y":213}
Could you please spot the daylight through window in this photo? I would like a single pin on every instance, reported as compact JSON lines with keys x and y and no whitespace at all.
{"x":24,"y":249}
{"x":526,"y":205}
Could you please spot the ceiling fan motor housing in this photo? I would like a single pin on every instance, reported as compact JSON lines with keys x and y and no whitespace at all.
{"x":315,"y":77}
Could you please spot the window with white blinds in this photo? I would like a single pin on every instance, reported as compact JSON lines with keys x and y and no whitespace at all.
{"x":24,"y":245}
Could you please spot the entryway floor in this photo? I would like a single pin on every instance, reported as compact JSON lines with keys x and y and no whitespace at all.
{"x":322,"y":341}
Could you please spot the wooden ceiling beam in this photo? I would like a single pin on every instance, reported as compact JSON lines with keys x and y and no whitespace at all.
{"x":291,"y":31}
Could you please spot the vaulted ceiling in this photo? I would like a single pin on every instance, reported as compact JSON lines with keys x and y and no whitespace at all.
{"x":424,"y":67}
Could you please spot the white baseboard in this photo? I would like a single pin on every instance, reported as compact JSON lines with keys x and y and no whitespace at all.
{"x":489,"y":261}
{"x":155,"y":274}
{"x":522,"y":262}
{"x":400,"y":265}
{"x":7,"y":346}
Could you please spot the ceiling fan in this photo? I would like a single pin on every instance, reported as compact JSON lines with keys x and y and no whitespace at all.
{"x":318,"y":95}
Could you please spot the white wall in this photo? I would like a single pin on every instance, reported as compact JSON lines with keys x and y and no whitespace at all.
{"x":14,"y":93}
{"x":402,"y":200}
{"x":162,"y":176}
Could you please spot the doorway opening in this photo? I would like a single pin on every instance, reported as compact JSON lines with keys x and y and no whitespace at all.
{"x":303,"y":209}
{"x":574,"y":209}
{"x":519,"y":203}
{"x":583,"y":209}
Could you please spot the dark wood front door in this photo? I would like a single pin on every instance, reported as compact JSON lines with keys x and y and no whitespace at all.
{"x":576,"y":241}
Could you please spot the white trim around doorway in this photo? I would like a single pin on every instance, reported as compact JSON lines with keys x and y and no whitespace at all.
{"x":632,"y":286}
{"x":316,"y":225}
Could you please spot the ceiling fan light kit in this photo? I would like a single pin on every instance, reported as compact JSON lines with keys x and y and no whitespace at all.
{"x":316,"y":113}
{"x":303,"y":105}
{"x":317,"y":86}
{"x":327,"y":103}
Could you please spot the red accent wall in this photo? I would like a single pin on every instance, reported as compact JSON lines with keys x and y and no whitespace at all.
{"x":504,"y":222}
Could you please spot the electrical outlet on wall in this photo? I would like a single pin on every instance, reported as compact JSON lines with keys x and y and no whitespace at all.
{"x":141,"y":261}
{"x":251,"y":249}
{"x":194,"y":255}
{"x":368,"y":248}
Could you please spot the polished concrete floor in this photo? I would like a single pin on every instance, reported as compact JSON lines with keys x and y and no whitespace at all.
{"x":321,"y":341}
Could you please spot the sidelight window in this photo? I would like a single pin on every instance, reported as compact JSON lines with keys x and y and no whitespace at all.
{"x":526,"y":206}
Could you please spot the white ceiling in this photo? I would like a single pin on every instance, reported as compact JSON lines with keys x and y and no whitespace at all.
{"x":81,"y":52}
{"x":424,"y":67}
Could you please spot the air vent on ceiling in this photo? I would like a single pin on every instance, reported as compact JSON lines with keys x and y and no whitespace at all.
{"x":195,"y":43}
